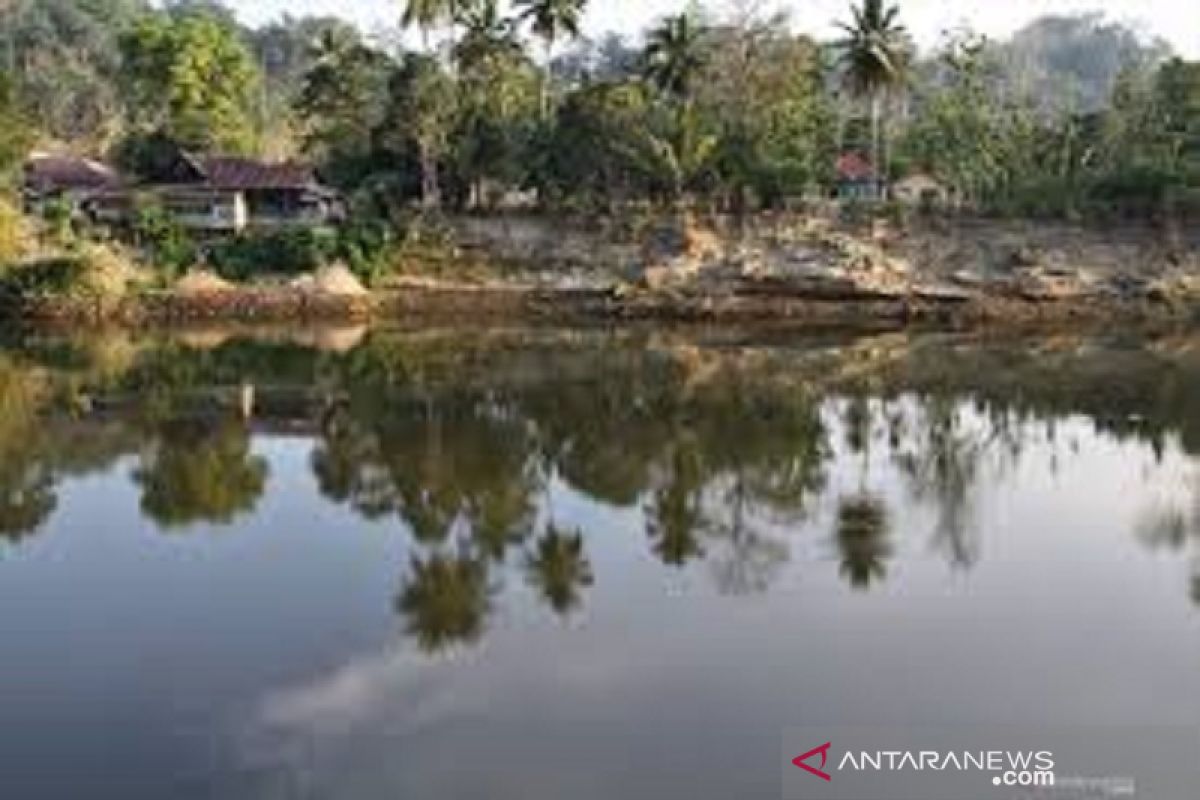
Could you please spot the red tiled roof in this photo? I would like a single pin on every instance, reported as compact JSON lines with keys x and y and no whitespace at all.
{"x":242,"y":173}
{"x":68,"y":172}
{"x":853,"y":167}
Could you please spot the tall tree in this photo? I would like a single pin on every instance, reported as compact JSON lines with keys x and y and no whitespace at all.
{"x":488,"y":37}
{"x":1177,"y":95}
{"x":549,"y":20}
{"x":957,"y":135}
{"x":595,"y":147}
{"x":674,"y":55}
{"x":429,"y":15}
{"x":498,"y":96}
{"x":192,"y":78}
{"x":673,"y":59}
{"x":285,"y":52}
{"x":342,"y":101}
{"x":765,"y":90}
{"x":16,"y":135}
{"x":875,"y":60}
{"x":421,"y":113}
{"x":426,"y":15}
{"x":64,"y":61}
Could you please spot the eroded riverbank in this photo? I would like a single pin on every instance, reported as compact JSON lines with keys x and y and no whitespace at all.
{"x":758,"y":303}
{"x":798,"y":269}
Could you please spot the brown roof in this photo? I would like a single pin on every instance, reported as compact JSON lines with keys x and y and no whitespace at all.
{"x":225,"y":172}
{"x":56,"y":172}
{"x":853,"y":167}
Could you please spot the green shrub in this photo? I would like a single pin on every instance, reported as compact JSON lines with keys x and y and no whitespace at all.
{"x":43,"y":278}
{"x":165,"y":241}
{"x":96,"y":274}
{"x":367,"y":248}
{"x":285,"y":252}
{"x":57,"y":216}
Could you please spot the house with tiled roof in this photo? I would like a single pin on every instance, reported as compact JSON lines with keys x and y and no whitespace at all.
{"x":50,"y":177}
{"x":225,"y":194}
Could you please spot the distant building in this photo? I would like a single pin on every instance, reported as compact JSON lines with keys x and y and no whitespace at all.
{"x":857,"y":179}
{"x":919,"y":189}
{"x":53,"y":177}
{"x":218,"y":194}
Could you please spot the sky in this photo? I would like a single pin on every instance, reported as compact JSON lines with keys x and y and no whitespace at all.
{"x":1177,"y":21}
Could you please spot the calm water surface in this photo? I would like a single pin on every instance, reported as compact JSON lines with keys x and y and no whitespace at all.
{"x":544,"y":564}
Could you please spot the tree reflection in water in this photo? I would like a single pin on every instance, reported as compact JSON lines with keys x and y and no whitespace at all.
{"x":27,"y":496}
{"x":200,"y":471}
{"x":1173,"y":524}
{"x":941,"y":459}
{"x":674,"y":513}
{"x":723,"y":451}
{"x":558,"y":568}
{"x":445,"y":600}
{"x":862,"y":540}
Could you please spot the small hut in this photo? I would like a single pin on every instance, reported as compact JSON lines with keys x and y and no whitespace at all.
{"x":920,"y":189}
{"x":857,"y":179}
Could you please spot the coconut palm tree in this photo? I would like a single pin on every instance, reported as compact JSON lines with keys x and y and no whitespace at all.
{"x":429,"y":14}
{"x":550,"y":19}
{"x":487,"y":34}
{"x":875,"y":60}
{"x":426,"y":15}
{"x":672,"y":60}
{"x":674,"y":55}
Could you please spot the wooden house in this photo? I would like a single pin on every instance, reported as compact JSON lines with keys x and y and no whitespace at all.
{"x":221,"y":194}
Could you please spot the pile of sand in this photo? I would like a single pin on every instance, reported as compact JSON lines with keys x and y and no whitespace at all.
{"x":202,"y":281}
{"x":303,"y":283}
{"x":339,"y":280}
{"x":336,"y":279}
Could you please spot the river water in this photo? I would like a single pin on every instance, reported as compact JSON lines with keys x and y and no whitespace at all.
{"x":577,"y":563}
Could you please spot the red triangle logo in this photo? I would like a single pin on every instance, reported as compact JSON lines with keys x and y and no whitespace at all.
{"x":820,"y":773}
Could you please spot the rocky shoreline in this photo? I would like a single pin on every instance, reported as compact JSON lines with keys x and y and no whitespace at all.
{"x":748,"y":302}
{"x":797,"y":270}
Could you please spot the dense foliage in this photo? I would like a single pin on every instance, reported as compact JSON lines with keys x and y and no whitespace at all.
{"x":507,"y":102}
{"x":190,"y":78}
{"x":15,"y":132}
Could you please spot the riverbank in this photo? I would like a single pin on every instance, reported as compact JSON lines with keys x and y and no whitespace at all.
{"x":798,"y":269}
{"x":733,"y":305}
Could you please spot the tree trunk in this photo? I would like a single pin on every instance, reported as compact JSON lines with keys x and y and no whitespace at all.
{"x":431,"y":194}
{"x":876,"y":163}
{"x":545,"y":99}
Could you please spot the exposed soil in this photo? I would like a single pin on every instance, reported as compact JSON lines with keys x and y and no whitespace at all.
{"x":798,"y":270}
{"x":738,"y":305}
